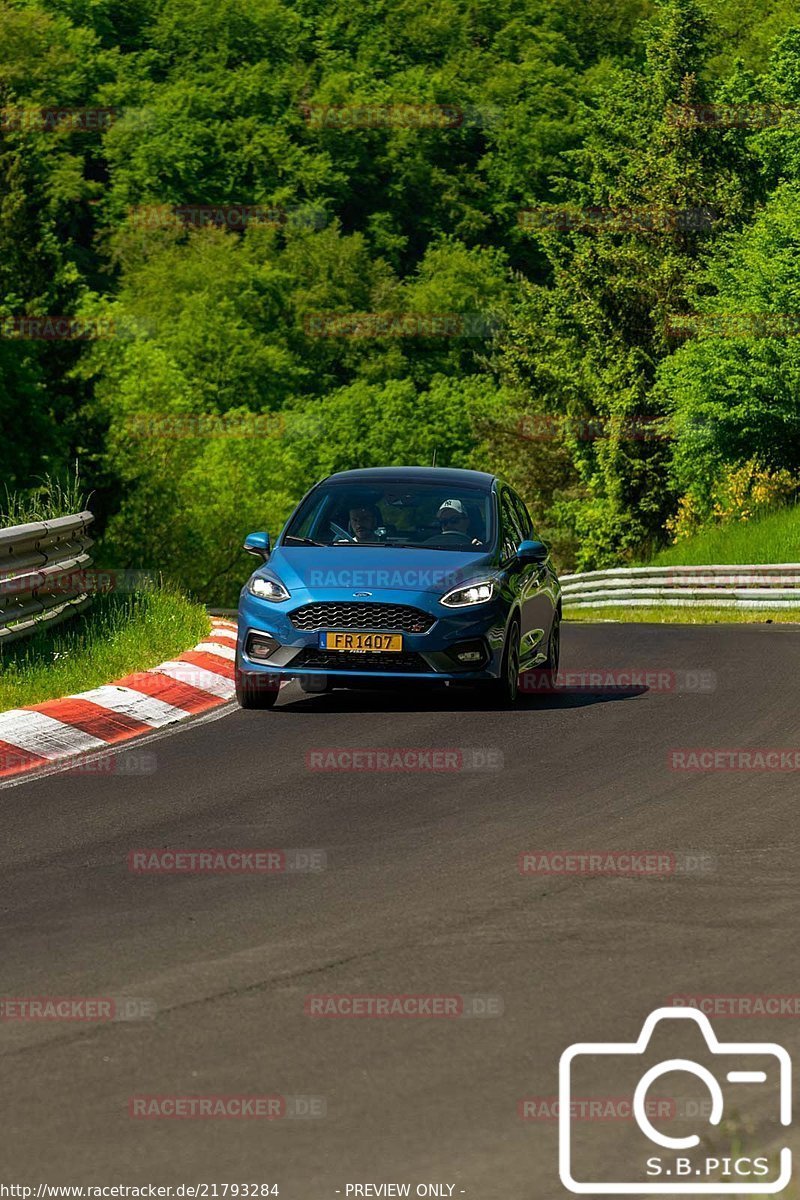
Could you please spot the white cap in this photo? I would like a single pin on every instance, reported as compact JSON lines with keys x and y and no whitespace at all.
{"x":452,"y":506}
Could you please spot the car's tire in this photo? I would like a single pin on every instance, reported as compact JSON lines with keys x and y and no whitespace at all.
{"x":256,"y":690}
{"x":504,"y":692}
{"x":549,"y":667}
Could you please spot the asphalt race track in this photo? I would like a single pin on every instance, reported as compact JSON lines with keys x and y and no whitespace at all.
{"x":422,"y":895}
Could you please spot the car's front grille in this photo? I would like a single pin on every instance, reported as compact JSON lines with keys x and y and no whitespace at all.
{"x":334,"y":660}
{"x":344,"y":615}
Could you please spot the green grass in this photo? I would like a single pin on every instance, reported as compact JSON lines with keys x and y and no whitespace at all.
{"x":116,"y":636}
{"x":664,"y":615}
{"x":53,"y":497}
{"x":773,"y":538}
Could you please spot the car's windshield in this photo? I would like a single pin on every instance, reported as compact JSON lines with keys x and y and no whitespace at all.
{"x":400,"y":513}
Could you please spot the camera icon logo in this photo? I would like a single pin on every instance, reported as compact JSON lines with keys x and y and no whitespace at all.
{"x":676,"y":1170}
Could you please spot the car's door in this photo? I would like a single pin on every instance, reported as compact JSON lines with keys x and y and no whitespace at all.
{"x":535,"y":594}
{"x":516,"y":575}
{"x":507,"y":542}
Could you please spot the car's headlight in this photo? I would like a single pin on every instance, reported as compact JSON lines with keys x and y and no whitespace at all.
{"x":267,"y":589}
{"x":473,"y":593}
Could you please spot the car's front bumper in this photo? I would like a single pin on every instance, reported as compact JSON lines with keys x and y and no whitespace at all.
{"x":425,"y":656}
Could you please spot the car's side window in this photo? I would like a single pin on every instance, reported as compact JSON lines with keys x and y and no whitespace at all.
{"x":309,"y":527}
{"x":509,"y":524}
{"x":523,"y":517}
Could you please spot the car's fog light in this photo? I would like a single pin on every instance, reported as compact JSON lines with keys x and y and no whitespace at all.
{"x":260,"y":646}
{"x":469,"y":656}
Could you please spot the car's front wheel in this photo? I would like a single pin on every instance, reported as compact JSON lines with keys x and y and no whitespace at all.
{"x":550,"y":667}
{"x":255,"y":690}
{"x":505,"y":690}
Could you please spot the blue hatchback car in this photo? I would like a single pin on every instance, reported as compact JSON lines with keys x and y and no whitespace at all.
{"x":419,"y":574}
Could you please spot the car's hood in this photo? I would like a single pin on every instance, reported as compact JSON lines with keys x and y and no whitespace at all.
{"x":373,"y":568}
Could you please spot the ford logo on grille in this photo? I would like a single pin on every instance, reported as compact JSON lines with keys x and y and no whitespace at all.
{"x":362,"y":593}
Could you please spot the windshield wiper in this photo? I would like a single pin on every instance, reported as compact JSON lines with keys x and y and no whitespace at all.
{"x":438,"y":546}
{"x":378,"y":545}
{"x":302,"y":541}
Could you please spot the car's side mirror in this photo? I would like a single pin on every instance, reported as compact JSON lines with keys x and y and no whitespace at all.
{"x":532,"y":552}
{"x":258,"y":544}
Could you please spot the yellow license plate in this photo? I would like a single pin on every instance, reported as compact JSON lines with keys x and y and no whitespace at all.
{"x":361,"y":643}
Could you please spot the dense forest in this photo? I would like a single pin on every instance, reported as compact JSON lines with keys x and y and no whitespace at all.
{"x":557,"y":240}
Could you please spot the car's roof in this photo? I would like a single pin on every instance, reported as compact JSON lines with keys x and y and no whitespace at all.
{"x":443,"y":475}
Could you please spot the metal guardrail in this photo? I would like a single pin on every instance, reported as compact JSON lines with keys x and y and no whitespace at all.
{"x":765,"y":585}
{"x":34,"y":561}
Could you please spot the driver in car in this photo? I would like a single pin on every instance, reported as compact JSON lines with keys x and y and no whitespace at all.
{"x":364,"y":520}
{"x":453,"y":518}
